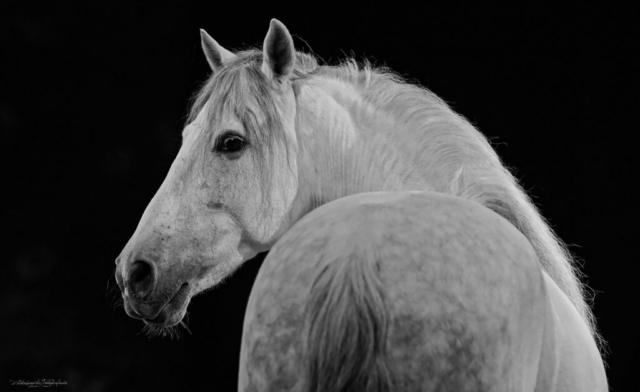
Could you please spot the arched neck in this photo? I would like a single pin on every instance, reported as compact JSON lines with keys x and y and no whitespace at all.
{"x":343,"y":148}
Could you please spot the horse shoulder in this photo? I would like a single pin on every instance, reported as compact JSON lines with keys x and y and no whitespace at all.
{"x":570,"y":359}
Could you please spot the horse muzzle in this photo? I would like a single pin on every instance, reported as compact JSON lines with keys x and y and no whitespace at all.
{"x":167,"y":310}
{"x":146,"y":299}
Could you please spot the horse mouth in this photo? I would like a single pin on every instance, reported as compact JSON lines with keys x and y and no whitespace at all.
{"x":172,"y":313}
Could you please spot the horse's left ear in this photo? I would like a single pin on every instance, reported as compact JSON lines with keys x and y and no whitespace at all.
{"x":279,"y":53}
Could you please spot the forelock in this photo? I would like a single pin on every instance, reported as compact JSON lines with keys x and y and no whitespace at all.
{"x":240,"y":89}
{"x":242,"y":82}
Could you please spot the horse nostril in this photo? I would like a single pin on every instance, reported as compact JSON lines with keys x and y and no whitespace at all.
{"x":140,"y":278}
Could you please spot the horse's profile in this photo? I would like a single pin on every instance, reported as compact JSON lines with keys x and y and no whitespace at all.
{"x":273,"y":135}
{"x":411,"y":291}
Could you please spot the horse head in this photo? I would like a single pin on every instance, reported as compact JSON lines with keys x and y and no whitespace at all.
{"x":230,"y":192}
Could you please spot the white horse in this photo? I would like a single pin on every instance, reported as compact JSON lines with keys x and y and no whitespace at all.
{"x":411,"y":291}
{"x":272,"y":136}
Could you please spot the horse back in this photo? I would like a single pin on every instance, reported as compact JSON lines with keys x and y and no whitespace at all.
{"x":413,"y":291}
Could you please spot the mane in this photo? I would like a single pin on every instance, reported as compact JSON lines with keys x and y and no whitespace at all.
{"x":466,"y":165}
{"x":456,"y":158}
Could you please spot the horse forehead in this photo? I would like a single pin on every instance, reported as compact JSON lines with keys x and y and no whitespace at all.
{"x":204,"y":122}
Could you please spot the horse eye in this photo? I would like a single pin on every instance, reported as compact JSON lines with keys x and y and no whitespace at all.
{"x":230,"y":143}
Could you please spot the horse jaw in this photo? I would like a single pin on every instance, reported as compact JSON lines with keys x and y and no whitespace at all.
{"x":266,"y":223}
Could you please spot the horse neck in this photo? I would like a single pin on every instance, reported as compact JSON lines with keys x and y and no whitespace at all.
{"x":411,"y":140}
{"x":348,"y":145}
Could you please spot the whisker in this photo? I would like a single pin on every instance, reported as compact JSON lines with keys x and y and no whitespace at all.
{"x":113,"y":293}
{"x":185,"y":327}
{"x":153,"y":331}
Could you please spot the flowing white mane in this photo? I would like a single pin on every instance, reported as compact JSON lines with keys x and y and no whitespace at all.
{"x":454,"y":157}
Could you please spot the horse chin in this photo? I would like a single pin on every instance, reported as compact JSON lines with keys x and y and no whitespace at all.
{"x":173,"y":312}
{"x":166,"y":319}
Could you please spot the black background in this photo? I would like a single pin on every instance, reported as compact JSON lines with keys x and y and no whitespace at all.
{"x":93,"y":97}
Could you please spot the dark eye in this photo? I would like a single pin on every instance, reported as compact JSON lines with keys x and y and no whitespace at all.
{"x":230,"y":143}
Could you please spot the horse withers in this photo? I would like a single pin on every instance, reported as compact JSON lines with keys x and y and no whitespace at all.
{"x":411,"y":291}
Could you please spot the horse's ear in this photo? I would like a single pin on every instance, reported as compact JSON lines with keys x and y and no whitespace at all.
{"x":216,"y":55}
{"x":279,"y":53}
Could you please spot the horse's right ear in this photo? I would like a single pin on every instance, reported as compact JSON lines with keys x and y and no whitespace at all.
{"x":216,"y":55}
{"x":279,"y":53}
